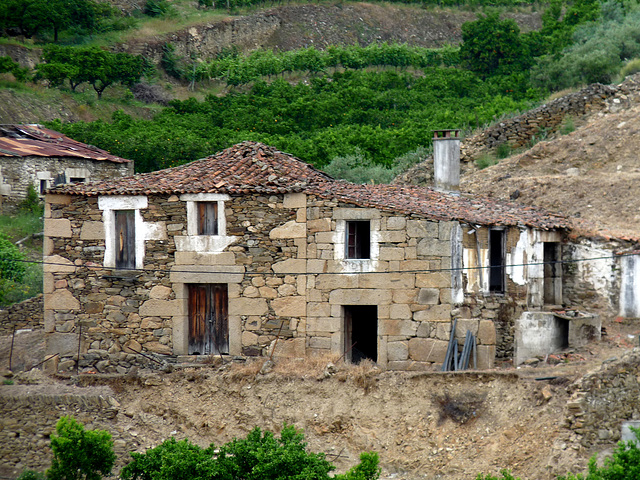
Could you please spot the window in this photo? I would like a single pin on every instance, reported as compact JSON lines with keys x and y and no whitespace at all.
{"x":43,"y":186}
{"x":208,"y":319}
{"x":358,"y":240}
{"x":125,"y":240}
{"x":76,"y":180}
{"x":125,"y":232}
{"x":497,"y":262}
{"x":207,"y":218}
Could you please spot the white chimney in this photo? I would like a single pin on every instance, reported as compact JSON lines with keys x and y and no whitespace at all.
{"x":446,"y":160}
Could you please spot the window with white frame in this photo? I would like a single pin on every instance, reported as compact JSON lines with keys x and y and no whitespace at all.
{"x":124,"y":231}
{"x":206,"y":224}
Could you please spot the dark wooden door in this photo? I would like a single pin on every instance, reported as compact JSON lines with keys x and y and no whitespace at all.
{"x":208,"y":319}
{"x":125,"y":239}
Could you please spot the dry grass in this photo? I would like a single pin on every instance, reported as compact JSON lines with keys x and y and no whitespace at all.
{"x":363,"y":374}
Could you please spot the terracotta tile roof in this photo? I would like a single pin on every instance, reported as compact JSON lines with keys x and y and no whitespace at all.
{"x":35,"y":140}
{"x":257,"y":168}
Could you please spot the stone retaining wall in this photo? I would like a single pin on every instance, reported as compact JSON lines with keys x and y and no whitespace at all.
{"x":603,"y":399}
{"x":28,"y":416}
{"x":26,"y":314}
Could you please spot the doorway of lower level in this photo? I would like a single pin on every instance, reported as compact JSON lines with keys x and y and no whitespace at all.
{"x":360,"y":333}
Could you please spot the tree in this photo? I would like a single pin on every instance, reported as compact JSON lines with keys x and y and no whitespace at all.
{"x":257,"y":457}
{"x":80,"y":454}
{"x":98,"y":67}
{"x":491,"y":46}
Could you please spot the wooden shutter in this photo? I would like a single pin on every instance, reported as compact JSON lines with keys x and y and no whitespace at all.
{"x":207,"y":218}
{"x":125,"y":241}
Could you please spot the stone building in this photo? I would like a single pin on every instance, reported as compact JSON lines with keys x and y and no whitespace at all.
{"x":252,"y":250}
{"x":38,"y":156}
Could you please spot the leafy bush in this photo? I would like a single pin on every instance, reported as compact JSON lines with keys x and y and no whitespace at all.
{"x":31,"y":203}
{"x":624,"y":464}
{"x":630,"y":68}
{"x":30,"y":474}
{"x":259,"y":456}
{"x":80,"y":454}
{"x":491,"y":46}
{"x":503,"y":150}
{"x":12,"y":261}
{"x":8,"y":65}
{"x":157,"y":8}
{"x":486,"y":160}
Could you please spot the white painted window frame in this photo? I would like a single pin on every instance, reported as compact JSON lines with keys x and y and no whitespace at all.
{"x":109,"y":205}
{"x":339,"y":249}
{"x":193,"y":242}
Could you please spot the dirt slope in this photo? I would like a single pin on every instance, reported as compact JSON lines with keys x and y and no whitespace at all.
{"x":590,"y":174}
{"x":512,"y":420}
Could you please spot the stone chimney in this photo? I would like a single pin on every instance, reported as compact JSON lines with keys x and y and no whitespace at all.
{"x":446,"y":160}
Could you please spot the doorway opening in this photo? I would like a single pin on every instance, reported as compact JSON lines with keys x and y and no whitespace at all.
{"x":361,"y":333}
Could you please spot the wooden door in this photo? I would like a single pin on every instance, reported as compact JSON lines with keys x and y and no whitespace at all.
{"x":208,"y":319}
{"x":125,"y":239}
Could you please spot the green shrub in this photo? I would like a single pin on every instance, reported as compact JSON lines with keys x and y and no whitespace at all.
{"x":356,"y":168}
{"x":486,"y":160}
{"x":503,"y":150}
{"x":31,"y":203}
{"x":157,"y":8}
{"x":259,"y":456}
{"x":631,"y":67}
{"x":567,"y":126}
{"x":80,"y":454}
{"x":30,"y":474}
{"x":623,"y":464}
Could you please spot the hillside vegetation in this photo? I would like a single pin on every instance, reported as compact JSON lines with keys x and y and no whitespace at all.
{"x":364,"y":105}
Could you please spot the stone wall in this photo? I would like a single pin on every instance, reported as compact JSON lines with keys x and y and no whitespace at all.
{"x":29,"y":413}
{"x":24,"y":315}
{"x":603,"y":399}
{"x":17,"y":173}
{"x":206,"y":41}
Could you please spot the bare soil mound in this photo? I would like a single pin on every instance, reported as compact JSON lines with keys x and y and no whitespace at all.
{"x":591,"y":174}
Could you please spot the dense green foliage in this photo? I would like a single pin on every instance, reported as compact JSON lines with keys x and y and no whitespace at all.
{"x":7,"y":65}
{"x":598,"y":52}
{"x":80,"y":454}
{"x":504,"y":475}
{"x":491,"y":46}
{"x":93,"y":65}
{"x":238,"y":69}
{"x":12,"y":261}
{"x":258,"y":457}
{"x":384,"y":114}
{"x":50,"y":17}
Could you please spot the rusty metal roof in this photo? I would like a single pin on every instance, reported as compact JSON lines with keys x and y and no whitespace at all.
{"x":251,"y":167}
{"x":37,"y":141}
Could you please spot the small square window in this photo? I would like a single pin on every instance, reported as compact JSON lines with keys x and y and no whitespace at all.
{"x":207,"y":218}
{"x":43,"y":186}
{"x":358,"y":240}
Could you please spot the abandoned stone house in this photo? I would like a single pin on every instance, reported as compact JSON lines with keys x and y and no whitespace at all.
{"x":252,"y":250}
{"x":38,"y":156}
